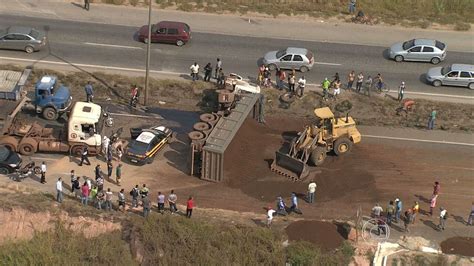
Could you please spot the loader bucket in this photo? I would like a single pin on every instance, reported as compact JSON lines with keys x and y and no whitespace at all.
{"x":289,"y":166}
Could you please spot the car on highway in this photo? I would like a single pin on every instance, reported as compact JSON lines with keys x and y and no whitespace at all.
{"x":146,"y":143}
{"x":22,"y":38}
{"x":422,"y":50}
{"x":10,"y":161}
{"x":461,"y":75}
{"x":290,"y":58}
{"x":178,"y":33}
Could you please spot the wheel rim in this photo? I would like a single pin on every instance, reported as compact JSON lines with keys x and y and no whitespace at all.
{"x":27,"y":148}
{"x":29,"y":50}
{"x":435,"y":61}
{"x":437,"y":83}
{"x":343,"y":148}
{"x":179,"y":43}
{"x":398,"y":58}
{"x":304,"y":69}
{"x":50,"y":114}
{"x":471,"y":86}
{"x":4,"y":171}
{"x":145,"y":40}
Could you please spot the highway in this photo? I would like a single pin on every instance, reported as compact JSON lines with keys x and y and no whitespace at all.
{"x":115,"y":46}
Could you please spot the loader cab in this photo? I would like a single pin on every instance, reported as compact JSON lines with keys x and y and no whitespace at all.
{"x":326,"y":121}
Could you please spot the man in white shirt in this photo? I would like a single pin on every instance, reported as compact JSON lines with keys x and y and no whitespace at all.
{"x":270,"y":214}
{"x":311,"y":191}
{"x":43,"y":172}
{"x":301,"y":85}
{"x":59,"y":190}
{"x":443,"y":215}
{"x":377,"y":210}
{"x":194,"y":71}
{"x":105,"y":145}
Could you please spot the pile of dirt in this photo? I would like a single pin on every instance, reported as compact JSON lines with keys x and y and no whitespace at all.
{"x":323,"y":234}
{"x":458,"y":245}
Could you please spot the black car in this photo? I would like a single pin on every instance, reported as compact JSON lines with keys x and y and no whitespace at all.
{"x":10,"y":161}
{"x":146,"y":143}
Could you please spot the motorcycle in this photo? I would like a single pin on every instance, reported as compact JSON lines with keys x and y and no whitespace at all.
{"x":27,"y":171}
{"x":109,"y":120}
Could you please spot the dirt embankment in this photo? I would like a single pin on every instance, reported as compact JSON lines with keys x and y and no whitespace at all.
{"x":458,"y":245}
{"x":325,"y":235}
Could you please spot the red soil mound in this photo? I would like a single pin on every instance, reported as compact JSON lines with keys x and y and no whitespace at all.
{"x":322,"y":234}
{"x":458,"y":245}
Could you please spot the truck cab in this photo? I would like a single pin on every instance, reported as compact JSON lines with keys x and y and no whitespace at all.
{"x":51,"y":99}
{"x":84,"y":127}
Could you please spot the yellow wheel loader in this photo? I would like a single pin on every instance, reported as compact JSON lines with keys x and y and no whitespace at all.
{"x":314,"y":142}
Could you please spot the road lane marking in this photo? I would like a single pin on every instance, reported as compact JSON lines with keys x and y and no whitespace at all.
{"x":420,"y":140}
{"x":141,"y":116}
{"x":437,"y":94}
{"x":113,"y":45}
{"x":329,"y":64}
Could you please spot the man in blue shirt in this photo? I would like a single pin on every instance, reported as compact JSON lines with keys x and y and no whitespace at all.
{"x":89,"y":92}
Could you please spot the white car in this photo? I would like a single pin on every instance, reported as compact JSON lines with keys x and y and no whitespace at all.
{"x":240,"y":84}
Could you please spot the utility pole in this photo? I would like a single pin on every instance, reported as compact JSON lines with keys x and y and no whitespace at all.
{"x":148,"y":49}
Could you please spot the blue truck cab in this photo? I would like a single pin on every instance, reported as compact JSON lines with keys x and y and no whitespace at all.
{"x":51,"y":99}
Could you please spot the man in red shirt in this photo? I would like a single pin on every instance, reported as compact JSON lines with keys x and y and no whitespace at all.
{"x":189,"y":207}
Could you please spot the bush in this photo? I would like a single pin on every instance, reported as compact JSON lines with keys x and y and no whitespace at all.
{"x":186,"y":7}
{"x":133,"y":2}
{"x":118,"y":2}
{"x":302,"y":253}
{"x":461,"y":26}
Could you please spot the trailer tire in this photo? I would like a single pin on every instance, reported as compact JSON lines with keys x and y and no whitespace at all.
{"x":76,"y":150}
{"x":318,"y":156}
{"x":28,"y":146}
{"x":9,"y":142}
{"x":342,"y":146}
{"x":49,"y":113}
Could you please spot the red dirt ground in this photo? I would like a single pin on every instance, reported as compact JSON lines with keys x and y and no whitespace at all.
{"x":458,"y":245}
{"x":322,"y":234}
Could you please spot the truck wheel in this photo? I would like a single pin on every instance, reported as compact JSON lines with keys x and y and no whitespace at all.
{"x":76,"y":151}
{"x":50,"y":113}
{"x":4,"y":171}
{"x":342,"y":146}
{"x":37,"y":170}
{"x":28,"y":146}
{"x":318,"y":155}
{"x":9,"y":142}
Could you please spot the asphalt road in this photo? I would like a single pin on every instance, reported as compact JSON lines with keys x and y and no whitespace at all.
{"x":88,"y":43}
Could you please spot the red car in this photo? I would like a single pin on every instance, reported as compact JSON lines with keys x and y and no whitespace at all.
{"x":178,"y":33}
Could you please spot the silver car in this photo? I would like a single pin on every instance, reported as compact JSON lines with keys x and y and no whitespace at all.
{"x":290,"y":58}
{"x":455,"y":75}
{"x":22,"y":38}
{"x":423,"y":50}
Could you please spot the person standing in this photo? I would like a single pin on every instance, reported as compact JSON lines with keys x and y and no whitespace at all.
{"x":146,"y":206}
{"x":301,"y":85}
{"x":368,"y":85}
{"x":100,"y":183}
{"x":398,"y":209}
{"x":408,"y":219}
{"x":161,"y":202}
{"x":220,"y":78}
{"x":270,"y":214}
{"x":108,"y":200}
{"x":118,"y":174}
{"x":443,"y":216}
{"x":291,"y":82}
{"x":89,"y":92}
{"x":89,"y":183}
{"x":43,"y":172}
{"x":294,"y":203}
{"x":59,"y":190}
{"x":416,"y":210}
{"x":337,"y":88}
{"x":135,"y":192}
{"x":281,"y":207}
{"x":311,"y":191}
{"x":350,"y":80}
{"x":207,"y":72}
{"x":471,"y":215}
{"x":282,"y":78}
{"x":352,"y":6}
{"x":194,"y":71}
{"x":189,"y":207}
{"x":172,"y":198}
{"x":110,"y":168}
{"x":73,"y":181}
{"x":325,"y":85}
{"x":121,"y":200}
{"x":105,"y":145}
{"x":97,"y":171}
{"x":85,"y":156}
{"x":100,"y":199}
{"x":218,"y":68}
{"x":390,"y":212}
{"x":86,"y":4}
{"x":432,"y":119}
{"x":144,"y":191}
{"x":436,"y":188}
{"x":85,"y":193}
{"x":277,"y":78}
{"x":377,"y":210}
{"x":433,"y":203}
{"x":360,"y":80}
{"x":401,"y":91}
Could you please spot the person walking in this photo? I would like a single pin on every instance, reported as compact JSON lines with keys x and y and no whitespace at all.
{"x":325,"y":85}
{"x":311,"y":191}
{"x":86,"y":4}
{"x":390,"y":213}
{"x":105,"y":145}
{"x":360,"y":80}
{"x":301,"y":85}
{"x":368,"y":85}
{"x":135,"y":192}
{"x":108,"y":200}
{"x":294,"y":203}
{"x":172,"y":198}
{"x":398,"y":209}
{"x":97,"y":172}
{"x":377,"y":210}
{"x":432,"y":119}
{"x":401,"y":91}
{"x":121,"y":200}
{"x":291,"y":83}
{"x":470,"y":218}
{"x":433,"y":203}
{"x":189,"y":207}
{"x":89,"y":92}
{"x":281,"y":207}
{"x":194,"y":71}
{"x":43,"y":172}
{"x":220,"y":78}
{"x":110,"y":168}
{"x":218,"y":68}
{"x":146,"y":206}
{"x":207,"y":72}
{"x":118,"y":174}
{"x":408,"y":219}
{"x":270,"y":214}
{"x":59,"y":190}
{"x":161,"y":203}
{"x":350,"y":80}
{"x":85,"y":193}
{"x":416,"y":210}
{"x":352,"y":6}
{"x":436,"y":188}
{"x":85,"y":156}
{"x":443,"y":216}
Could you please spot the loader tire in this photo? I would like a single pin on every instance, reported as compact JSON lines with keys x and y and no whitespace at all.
{"x":342,"y":146}
{"x":28,"y":146}
{"x":318,"y":156}
{"x":9,"y":142}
